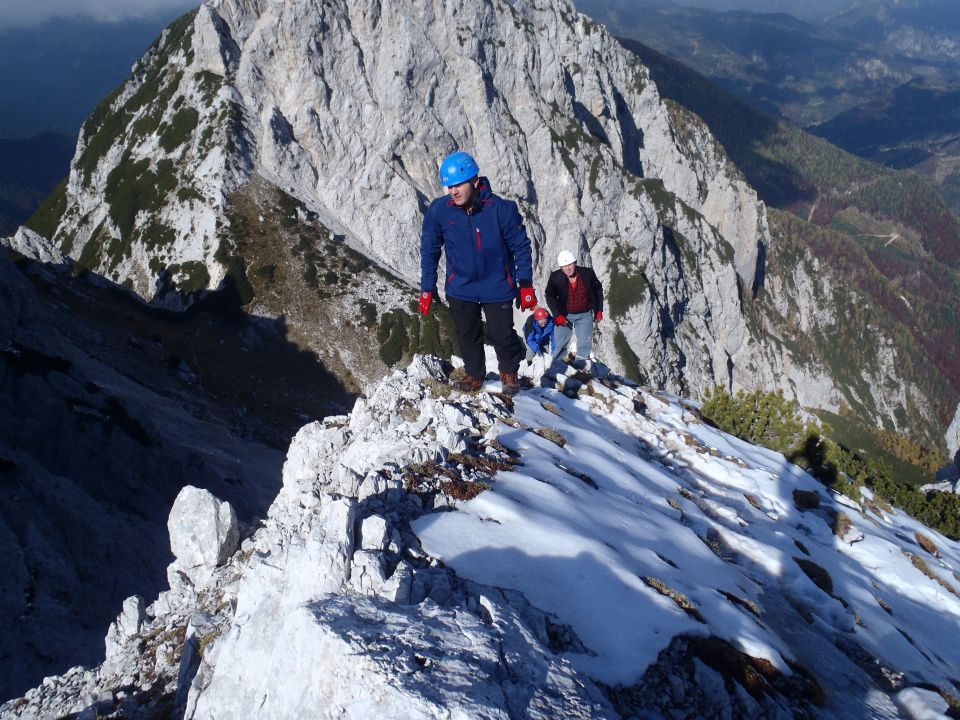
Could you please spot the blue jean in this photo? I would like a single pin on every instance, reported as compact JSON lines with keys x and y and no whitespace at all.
{"x":582,"y":325}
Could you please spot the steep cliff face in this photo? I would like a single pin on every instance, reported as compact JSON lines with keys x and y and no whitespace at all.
{"x":953,"y":433}
{"x":347,"y":108}
{"x":107,"y":409}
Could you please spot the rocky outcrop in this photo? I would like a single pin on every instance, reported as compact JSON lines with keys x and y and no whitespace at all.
{"x":953,"y":435}
{"x":93,"y":451}
{"x":339,"y":605}
{"x":203,"y":532}
{"x":34,"y":246}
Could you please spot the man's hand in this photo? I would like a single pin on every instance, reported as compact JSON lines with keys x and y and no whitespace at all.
{"x":426,"y":297}
{"x":599,"y":316}
{"x":526,"y":297}
{"x":560,"y":320}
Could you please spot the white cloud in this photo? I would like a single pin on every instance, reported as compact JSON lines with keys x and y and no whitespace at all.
{"x":33,"y":12}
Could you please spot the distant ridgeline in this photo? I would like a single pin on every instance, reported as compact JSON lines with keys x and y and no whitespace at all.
{"x":886,"y":235}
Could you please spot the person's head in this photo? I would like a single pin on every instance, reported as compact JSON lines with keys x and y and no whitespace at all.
{"x":541,"y":316}
{"x":460,"y":175}
{"x":567,"y":262}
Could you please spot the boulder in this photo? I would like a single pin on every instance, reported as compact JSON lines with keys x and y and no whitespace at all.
{"x":203,"y":529}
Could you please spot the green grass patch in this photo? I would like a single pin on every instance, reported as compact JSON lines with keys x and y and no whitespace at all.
{"x":92,"y":250}
{"x":180,"y":128}
{"x":393,"y":336}
{"x":631,"y":363}
{"x":46,"y":218}
{"x":628,"y":285}
{"x":769,"y":420}
{"x":191,"y":276}
{"x":861,"y":439}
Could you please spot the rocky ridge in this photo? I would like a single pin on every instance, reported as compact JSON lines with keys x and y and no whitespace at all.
{"x":334,"y":604}
{"x":107,"y":408}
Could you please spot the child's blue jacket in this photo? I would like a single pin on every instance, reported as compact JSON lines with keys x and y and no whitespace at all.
{"x":539,"y":339}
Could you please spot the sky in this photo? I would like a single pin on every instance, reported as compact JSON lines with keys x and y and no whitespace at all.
{"x":22,"y":14}
{"x":26,"y":14}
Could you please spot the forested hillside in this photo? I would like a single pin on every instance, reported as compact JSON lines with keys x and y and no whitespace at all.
{"x":888,"y":233}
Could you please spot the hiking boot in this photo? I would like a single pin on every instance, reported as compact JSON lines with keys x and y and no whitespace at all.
{"x":468,"y":383}
{"x":509,"y":383}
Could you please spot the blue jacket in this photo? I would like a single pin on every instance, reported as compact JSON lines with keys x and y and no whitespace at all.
{"x":488,"y":251}
{"x":539,"y":339}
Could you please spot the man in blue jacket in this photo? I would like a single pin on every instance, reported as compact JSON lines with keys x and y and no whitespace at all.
{"x":488,"y":266}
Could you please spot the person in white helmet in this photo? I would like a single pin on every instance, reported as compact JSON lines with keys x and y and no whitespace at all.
{"x":575,"y":298}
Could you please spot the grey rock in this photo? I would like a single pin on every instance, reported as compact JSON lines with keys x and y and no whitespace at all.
{"x":373,"y":533}
{"x":203,"y":530}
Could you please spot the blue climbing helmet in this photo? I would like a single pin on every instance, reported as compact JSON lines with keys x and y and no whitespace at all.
{"x":458,"y":168}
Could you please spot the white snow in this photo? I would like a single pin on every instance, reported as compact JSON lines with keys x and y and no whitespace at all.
{"x":582,"y":552}
{"x":577,"y":569}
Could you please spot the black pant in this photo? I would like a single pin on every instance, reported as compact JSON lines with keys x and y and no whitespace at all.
{"x":500,"y":332}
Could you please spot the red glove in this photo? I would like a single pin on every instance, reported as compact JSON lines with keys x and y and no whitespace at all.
{"x":527,"y":297}
{"x":560,"y":320}
{"x":426,"y":297}
{"x":599,"y":316}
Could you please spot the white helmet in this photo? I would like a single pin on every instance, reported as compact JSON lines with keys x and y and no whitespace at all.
{"x":565,"y":258}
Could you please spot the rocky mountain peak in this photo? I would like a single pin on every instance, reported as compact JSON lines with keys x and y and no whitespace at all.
{"x":349,"y":107}
{"x":339,"y":112}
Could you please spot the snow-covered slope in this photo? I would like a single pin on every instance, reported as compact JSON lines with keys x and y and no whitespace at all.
{"x":606,"y":555}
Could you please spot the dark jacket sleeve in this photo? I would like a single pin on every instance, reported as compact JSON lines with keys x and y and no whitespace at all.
{"x":431,"y":243}
{"x":515,"y":237}
{"x":555,"y":301}
{"x":596,"y":290}
{"x":528,"y":334}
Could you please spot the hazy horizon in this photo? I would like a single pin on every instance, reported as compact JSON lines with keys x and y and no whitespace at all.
{"x":26,"y":15}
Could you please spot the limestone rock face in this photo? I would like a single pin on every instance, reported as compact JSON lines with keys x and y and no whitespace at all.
{"x":953,"y":437}
{"x":348,"y":108}
{"x":34,"y":246}
{"x":203,"y":530}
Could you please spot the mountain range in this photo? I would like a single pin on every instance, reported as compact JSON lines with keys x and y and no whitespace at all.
{"x":274,"y":160}
{"x":31,"y":169}
{"x":808,"y":70}
{"x":172,"y":169}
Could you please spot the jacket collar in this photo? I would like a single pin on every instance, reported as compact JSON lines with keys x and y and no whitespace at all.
{"x":484,"y":197}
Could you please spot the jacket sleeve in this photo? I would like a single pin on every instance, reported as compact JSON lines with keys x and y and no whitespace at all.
{"x":528,"y":334}
{"x":431,"y":243}
{"x":553,"y":297}
{"x":515,"y":236}
{"x":597,"y":290}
